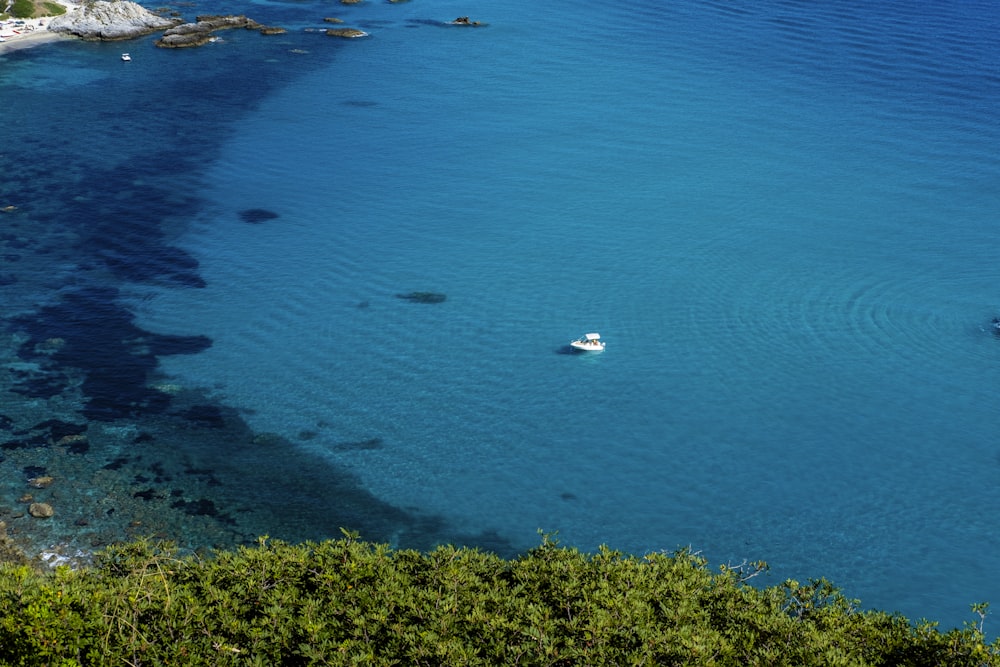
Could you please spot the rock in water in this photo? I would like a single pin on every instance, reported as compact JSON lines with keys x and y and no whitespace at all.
{"x":256,"y":215}
{"x":41,"y":510}
{"x":107,"y":21}
{"x":196,"y":34}
{"x":40,"y":482}
{"x":423,"y":297}
{"x":349,"y":33}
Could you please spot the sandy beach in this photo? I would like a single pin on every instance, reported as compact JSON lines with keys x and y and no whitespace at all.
{"x":26,"y":33}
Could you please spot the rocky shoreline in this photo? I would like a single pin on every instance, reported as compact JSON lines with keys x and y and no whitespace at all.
{"x":101,"y":20}
{"x":112,"y":20}
{"x":116,"y":20}
{"x":201,"y":32}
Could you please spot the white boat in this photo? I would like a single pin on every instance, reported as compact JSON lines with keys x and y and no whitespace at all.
{"x":588,"y":343}
{"x":126,"y":57}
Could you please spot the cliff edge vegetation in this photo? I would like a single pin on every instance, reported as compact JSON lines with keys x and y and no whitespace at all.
{"x":352,"y":602}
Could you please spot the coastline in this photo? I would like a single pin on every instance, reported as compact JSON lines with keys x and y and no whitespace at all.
{"x":34,"y":32}
{"x":30,"y":40}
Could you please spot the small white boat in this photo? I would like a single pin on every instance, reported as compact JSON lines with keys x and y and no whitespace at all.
{"x":588,"y":343}
{"x":126,"y":57}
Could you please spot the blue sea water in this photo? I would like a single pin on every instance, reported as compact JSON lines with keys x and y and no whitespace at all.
{"x":781,"y":217}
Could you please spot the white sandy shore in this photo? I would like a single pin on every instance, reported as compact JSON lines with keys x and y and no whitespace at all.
{"x":32,"y":33}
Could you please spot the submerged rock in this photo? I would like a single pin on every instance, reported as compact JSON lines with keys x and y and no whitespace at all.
{"x":41,"y":510}
{"x":43,"y":482}
{"x":257,"y":215}
{"x":423,"y":297}
{"x":108,"y":21}
{"x":464,"y":20}
{"x":369,"y":444}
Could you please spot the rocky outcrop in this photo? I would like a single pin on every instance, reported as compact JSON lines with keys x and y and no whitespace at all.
{"x":349,"y":33}
{"x":41,"y":510}
{"x":464,"y":20}
{"x":107,"y":21}
{"x":196,"y":34}
{"x":43,"y":482}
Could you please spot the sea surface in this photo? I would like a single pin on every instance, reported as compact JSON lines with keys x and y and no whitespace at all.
{"x":781,"y":216}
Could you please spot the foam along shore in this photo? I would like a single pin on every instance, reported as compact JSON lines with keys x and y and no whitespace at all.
{"x":25,"y":33}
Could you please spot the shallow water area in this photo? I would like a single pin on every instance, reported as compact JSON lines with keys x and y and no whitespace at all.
{"x":794,"y":281}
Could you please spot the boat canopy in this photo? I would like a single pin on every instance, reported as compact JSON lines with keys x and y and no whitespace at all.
{"x":592,"y":336}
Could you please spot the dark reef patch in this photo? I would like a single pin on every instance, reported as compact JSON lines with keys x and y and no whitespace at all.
{"x":59,"y":429}
{"x":203,"y":507}
{"x":117,"y":463}
{"x":35,"y":441}
{"x":423,"y":297}
{"x":78,"y":446}
{"x":207,"y":475}
{"x":208,"y":416}
{"x":46,"y":433}
{"x":152,"y":265}
{"x":161,"y":474}
{"x":102,"y":340}
{"x":257,"y":215}
{"x":31,"y":472}
{"x":359,"y":445}
{"x":38,"y":383}
{"x":161,"y":345}
{"x":124,"y":232}
{"x":24,"y":443}
{"x":147,"y":494}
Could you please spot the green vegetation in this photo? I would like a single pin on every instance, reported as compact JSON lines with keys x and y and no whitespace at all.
{"x":30,"y":9}
{"x":351,"y":602}
{"x":52,"y":9}
{"x":23,"y":9}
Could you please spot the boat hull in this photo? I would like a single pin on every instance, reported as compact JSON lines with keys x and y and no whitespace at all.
{"x":587,"y":346}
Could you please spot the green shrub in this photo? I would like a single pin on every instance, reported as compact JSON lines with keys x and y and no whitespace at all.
{"x":26,"y":9}
{"x":23,"y":9}
{"x":352,"y":602}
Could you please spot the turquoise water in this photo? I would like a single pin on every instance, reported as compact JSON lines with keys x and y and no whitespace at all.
{"x":781,"y":218}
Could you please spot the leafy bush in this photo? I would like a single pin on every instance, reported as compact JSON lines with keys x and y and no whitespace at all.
{"x":352,"y":602}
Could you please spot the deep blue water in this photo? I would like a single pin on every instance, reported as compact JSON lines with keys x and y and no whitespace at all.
{"x":780,"y":217}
